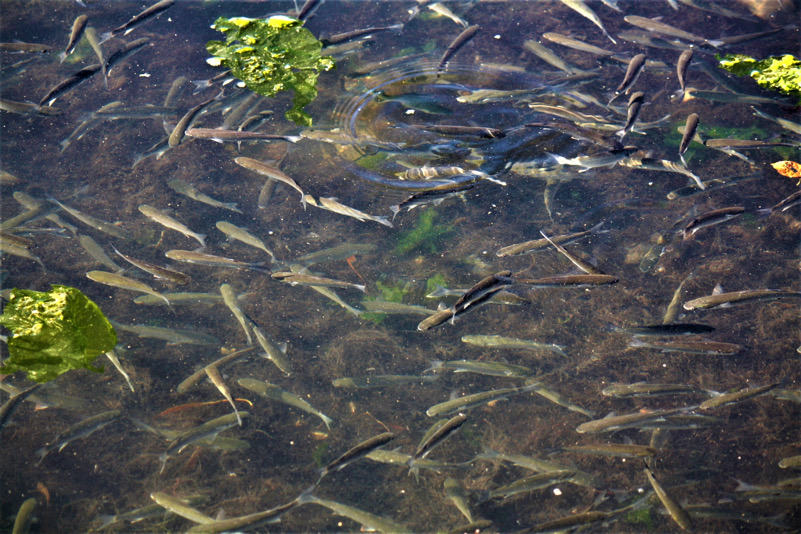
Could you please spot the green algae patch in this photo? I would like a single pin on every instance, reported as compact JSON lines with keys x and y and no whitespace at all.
{"x":424,"y":235}
{"x":777,"y":73}
{"x":54,"y":332}
{"x":270,"y":56}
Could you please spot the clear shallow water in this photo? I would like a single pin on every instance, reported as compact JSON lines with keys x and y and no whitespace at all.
{"x":117,"y":468}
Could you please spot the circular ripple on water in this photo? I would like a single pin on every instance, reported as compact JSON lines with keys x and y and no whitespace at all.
{"x":387,"y":127}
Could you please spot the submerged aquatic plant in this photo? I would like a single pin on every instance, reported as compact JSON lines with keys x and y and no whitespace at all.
{"x":423,"y":235}
{"x":778,"y":73}
{"x":270,"y":56}
{"x":54,"y":332}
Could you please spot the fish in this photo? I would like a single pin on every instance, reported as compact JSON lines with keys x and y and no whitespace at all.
{"x":28,"y":48}
{"x":230,"y":300}
{"x":575,"y":44}
{"x":123,"y":282}
{"x":332,"y":204}
{"x":210,"y":260}
{"x":443,"y":10}
{"x":633,"y":71}
{"x":126,"y":51}
{"x":166,"y":220}
{"x":476,"y":399}
{"x":238,"y":523}
{"x":606,"y":159}
{"x":457,"y":495}
{"x":21,"y":252}
{"x":482,"y":367}
{"x":68,"y":83}
{"x":309,"y":280}
{"x":503,"y":342}
{"x":209,"y":428}
{"x":669,"y":329}
{"x":790,"y":462}
{"x":78,"y":27}
{"x":216,"y":378}
{"x":483,"y":132}
{"x":91,"y":37}
{"x":784,"y":123}
{"x":389,"y":307}
{"x":574,"y":259}
{"x":677,"y":513}
{"x":180,"y":507}
{"x":436,"y":319}
{"x":80,"y":430}
{"x":98,"y":254}
{"x":693,"y":347}
{"x":242,"y":234}
{"x":369,"y":521}
{"x":747,"y":143}
{"x":180,"y":299}
{"x":582,"y":9}
{"x":173,"y":336}
{"x":146,"y":512}
{"x":656,"y":26}
{"x":149,"y":13}
{"x":569,"y":280}
{"x":380,"y":381}
{"x":644,"y":389}
{"x":355,"y":34}
{"x":556,"y":398}
{"x":566,"y":523}
{"x":179,"y":132}
{"x":467,"y":34}
{"x":220,"y":135}
{"x":632,"y":112}
{"x":689,"y":133}
{"x":722,"y":299}
{"x":355,"y":453}
{"x":537,"y":465}
{"x":613,"y":423}
{"x":711,"y":218}
{"x":336,"y":253}
{"x":395,"y":457}
{"x":192,"y":192}
{"x":531,"y":483}
{"x":271,"y":391}
{"x":550,"y":57}
{"x":24,"y":517}
{"x":93,"y":222}
{"x":736,"y":396}
{"x":115,"y":361}
{"x":537,"y":244}
{"x":197,"y":377}
{"x":681,"y":71}
{"x":663,"y":165}
{"x":786,"y":203}
{"x":10,"y":406}
{"x":163,"y":273}
{"x":27,"y":108}
{"x":620,"y":450}
{"x":275,"y":353}
{"x":272,"y":173}
{"x":441,"y":433}
{"x":483,"y":290}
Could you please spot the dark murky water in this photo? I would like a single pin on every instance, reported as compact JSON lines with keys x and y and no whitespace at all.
{"x":451,"y":243}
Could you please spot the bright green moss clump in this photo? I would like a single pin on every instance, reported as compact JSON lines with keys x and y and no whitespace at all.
{"x":778,"y":73}
{"x":270,"y":56}
{"x":54,"y":332}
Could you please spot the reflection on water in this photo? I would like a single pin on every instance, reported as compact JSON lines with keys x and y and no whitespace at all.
{"x":465,"y":159}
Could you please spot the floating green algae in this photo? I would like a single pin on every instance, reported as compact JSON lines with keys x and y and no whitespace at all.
{"x":270,"y":56}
